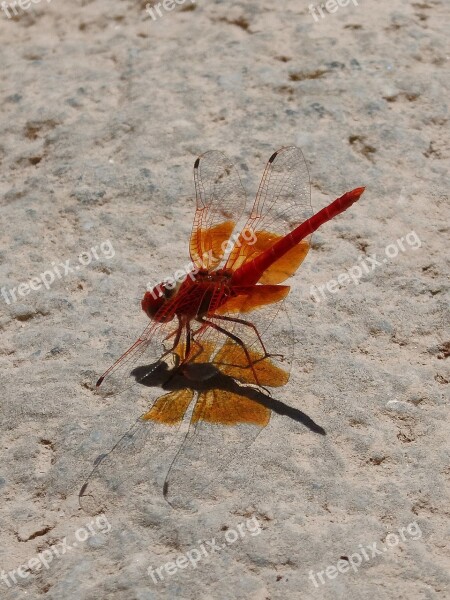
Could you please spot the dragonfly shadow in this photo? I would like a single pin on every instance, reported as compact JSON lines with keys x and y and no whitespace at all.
{"x":202,"y":377}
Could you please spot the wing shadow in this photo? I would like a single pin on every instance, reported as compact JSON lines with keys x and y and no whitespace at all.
{"x":205,"y":376}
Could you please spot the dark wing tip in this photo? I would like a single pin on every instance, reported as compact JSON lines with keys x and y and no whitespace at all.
{"x":272,"y":158}
{"x":197,"y":162}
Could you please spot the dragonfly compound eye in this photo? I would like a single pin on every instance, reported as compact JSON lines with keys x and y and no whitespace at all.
{"x":153,"y":301}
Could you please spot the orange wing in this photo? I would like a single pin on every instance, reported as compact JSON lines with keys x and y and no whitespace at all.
{"x":283,"y":201}
{"x":231,"y":360}
{"x":252,"y":297}
{"x":229,"y":408}
{"x":220,"y":406}
{"x":220,"y":202}
{"x":225,"y":422}
{"x":170,"y":408}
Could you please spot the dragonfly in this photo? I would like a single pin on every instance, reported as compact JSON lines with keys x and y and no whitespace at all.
{"x":203,"y":319}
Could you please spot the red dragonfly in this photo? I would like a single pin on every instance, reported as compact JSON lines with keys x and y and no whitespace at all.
{"x":231,"y":275}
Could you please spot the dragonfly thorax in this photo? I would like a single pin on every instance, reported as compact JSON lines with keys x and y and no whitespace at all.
{"x":220,"y":276}
{"x":196,"y":295}
{"x":190,"y":298}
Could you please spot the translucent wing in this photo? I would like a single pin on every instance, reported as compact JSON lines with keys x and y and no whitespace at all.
{"x":155,"y":343}
{"x":283,"y":201}
{"x":220,"y":202}
{"x":255,"y":318}
{"x":148,"y":349}
{"x":227,"y":418}
{"x":129,"y":471}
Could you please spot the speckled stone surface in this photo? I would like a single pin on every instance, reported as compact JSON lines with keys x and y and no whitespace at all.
{"x":103,"y":112}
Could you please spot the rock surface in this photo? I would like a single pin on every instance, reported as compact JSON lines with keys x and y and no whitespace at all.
{"x":104,"y":111}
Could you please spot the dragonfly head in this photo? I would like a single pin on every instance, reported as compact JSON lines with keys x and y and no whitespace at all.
{"x":156,"y":298}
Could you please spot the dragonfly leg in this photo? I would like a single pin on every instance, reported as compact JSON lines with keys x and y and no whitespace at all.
{"x":236,"y":339}
{"x":196,"y":353}
{"x":177,"y":333}
{"x":190,"y":341}
{"x":255,"y":329}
